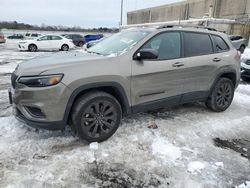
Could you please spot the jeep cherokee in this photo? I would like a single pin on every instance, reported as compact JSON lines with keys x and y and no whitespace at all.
{"x":132,"y":71}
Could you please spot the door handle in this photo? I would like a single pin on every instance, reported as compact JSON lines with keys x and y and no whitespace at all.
{"x":178,"y":64}
{"x":216,"y":59}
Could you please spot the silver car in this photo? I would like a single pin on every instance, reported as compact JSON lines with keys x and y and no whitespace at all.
{"x":132,"y":71}
{"x":239,"y":42}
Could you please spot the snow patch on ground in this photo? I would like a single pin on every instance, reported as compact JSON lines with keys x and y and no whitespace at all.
{"x":244,"y":185}
{"x":196,"y":167}
{"x":165,"y":150}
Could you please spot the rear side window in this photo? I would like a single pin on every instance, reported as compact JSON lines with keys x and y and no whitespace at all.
{"x":196,"y":44}
{"x":34,"y":35}
{"x":44,"y":38}
{"x":56,"y":38}
{"x":220,"y":44}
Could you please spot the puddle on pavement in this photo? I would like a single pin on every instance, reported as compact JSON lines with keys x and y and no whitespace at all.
{"x":241,"y":146}
{"x":67,"y":147}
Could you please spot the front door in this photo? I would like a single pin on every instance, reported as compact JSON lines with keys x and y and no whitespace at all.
{"x":43,"y":43}
{"x":158,"y":82}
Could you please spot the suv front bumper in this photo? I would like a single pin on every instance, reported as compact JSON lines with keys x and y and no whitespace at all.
{"x":57,"y":125}
{"x":40,"y":107}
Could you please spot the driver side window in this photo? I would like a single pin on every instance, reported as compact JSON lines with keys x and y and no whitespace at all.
{"x":168,"y":45}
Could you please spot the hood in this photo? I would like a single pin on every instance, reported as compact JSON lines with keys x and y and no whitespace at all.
{"x":41,"y":64}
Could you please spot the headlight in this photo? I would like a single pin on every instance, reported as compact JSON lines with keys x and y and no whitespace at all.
{"x":40,"y":81}
{"x":23,"y":42}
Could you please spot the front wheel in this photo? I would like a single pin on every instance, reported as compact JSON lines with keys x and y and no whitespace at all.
{"x":65,"y":47}
{"x":221,"y":95}
{"x":32,"y":48}
{"x":96,"y":116}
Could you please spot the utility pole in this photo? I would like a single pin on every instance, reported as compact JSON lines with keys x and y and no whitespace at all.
{"x":121,"y":12}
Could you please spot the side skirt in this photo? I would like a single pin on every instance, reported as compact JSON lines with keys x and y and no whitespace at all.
{"x":171,"y":101}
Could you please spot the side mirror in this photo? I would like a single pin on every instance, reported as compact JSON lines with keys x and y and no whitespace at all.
{"x":146,"y":54}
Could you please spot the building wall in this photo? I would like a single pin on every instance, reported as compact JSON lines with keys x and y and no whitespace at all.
{"x":233,"y":9}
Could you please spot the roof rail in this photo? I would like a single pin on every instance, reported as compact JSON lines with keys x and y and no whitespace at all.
{"x":176,"y":22}
{"x":186,"y":26}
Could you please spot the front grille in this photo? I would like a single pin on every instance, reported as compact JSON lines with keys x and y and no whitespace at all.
{"x":248,"y":62}
{"x":13,"y":80}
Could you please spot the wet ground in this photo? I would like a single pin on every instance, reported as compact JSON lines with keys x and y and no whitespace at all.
{"x":242,"y":146}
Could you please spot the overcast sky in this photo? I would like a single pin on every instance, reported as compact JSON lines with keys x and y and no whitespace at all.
{"x":84,"y":13}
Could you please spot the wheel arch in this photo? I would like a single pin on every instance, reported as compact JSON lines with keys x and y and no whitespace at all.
{"x":64,"y":44}
{"x":32,"y":44}
{"x":113,"y":88}
{"x":230,"y":74}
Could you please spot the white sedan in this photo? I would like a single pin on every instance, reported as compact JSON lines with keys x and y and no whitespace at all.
{"x":47,"y":42}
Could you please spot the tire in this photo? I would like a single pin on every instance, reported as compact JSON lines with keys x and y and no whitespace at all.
{"x":96,"y":116}
{"x":32,"y":48}
{"x":221,"y":95}
{"x":80,"y":44}
{"x":65,"y":47}
{"x":245,"y":79}
{"x":242,"y":49}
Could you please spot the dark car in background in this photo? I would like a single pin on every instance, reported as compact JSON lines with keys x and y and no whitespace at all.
{"x":2,"y":39}
{"x":93,"y":37}
{"x":15,"y":36}
{"x":77,"y":39}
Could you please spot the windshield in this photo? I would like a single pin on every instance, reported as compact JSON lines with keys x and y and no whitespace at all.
{"x":119,"y":43}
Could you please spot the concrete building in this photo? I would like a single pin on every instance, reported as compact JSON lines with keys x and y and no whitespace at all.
{"x":190,"y":9}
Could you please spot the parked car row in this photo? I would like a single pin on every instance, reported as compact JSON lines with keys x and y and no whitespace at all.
{"x":54,"y":42}
{"x":80,"y":40}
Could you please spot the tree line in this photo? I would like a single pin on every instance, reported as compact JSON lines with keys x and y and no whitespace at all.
{"x":22,"y":26}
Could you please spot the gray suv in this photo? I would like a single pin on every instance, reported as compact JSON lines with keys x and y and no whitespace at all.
{"x":132,"y":71}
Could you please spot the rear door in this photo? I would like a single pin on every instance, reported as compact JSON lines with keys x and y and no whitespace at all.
{"x":56,"y":42}
{"x":201,"y":63}
{"x":159,"y":82}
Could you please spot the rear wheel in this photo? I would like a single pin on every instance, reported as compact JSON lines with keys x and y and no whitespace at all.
{"x":80,"y":44}
{"x":221,"y":96}
{"x":32,"y":48}
{"x":96,"y":116}
{"x":245,"y":79}
{"x":65,"y":47}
